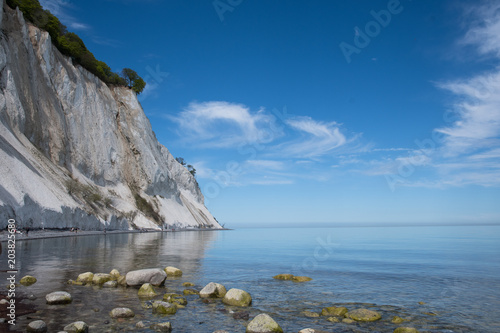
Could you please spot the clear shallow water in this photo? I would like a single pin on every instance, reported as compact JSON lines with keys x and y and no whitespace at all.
{"x":454,"y":270}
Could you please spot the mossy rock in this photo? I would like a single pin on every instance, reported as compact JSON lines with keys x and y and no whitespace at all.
{"x":122,"y":280}
{"x":75,"y":283}
{"x":146,"y":290}
{"x":284,"y":277}
{"x":191,"y":292}
{"x":397,"y":320}
{"x":334,"y":311}
{"x":115,"y":273}
{"x":173,"y":271}
{"x":121,"y":313}
{"x":110,"y":284}
{"x":85,"y":277}
{"x":406,"y":330}
{"x":263,"y":323}
{"x":301,"y":279}
{"x":27,"y":280}
{"x":101,"y":278}
{"x":347,"y":321}
{"x":334,"y":319}
{"x":162,"y":327}
{"x":77,"y":327}
{"x":363,"y":315}
{"x":175,"y":299}
{"x":188,"y":284}
{"x":310,"y":314}
{"x":164,"y":308}
{"x":237,"y":297}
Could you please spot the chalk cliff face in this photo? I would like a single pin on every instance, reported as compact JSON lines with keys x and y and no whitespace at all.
{"x":77,"y":153}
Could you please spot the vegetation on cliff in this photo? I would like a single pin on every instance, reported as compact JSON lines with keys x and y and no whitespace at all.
{"x":71,"y":45}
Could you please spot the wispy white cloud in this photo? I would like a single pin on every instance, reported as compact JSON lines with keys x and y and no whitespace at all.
{"x":60,"y":9}
{"x":220,"y":124}
{"x":317,"y":138}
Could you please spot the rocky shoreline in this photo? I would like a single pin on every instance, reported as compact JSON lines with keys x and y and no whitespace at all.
{"x":158,"y":305}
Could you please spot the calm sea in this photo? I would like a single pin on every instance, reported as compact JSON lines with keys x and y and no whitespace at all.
{"x":439,"y":279}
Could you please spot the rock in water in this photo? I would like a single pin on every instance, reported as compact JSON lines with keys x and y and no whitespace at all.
{"x":301,"y":279}
{"x":263,"y":323}
{"x":363,"y":315}
{"x":27,"y":280}
{"x":173,"y":272}
{"x":37,"y":326}
{"x":146,"y":290}
{"x":160,"y":307}
{"x":162,"y":327}
{"x":237,"y":297}
{"x":110,"y":284}
{"x":406,"y":330}
{"x":58,"y":297}
{"x":121,"y":313}
{"x":286,"y":277}
{"x":85,"y":277}
{"x":154,"y":276}
{"x":77,"y":327}
{"x":213,"y":290}
{"x":101,"y":278}
{"x":334,"y":311}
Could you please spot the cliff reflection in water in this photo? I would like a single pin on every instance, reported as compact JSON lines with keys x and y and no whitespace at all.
{"x":59,"y":259}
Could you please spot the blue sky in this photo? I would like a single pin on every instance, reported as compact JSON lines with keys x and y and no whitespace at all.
{"x":317,"y":111}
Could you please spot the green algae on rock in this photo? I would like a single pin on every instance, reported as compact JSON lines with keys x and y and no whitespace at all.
{"x":334,"y":311}
{"x":27,"y":280}
{"x":237,"y":297}
{"x":146,"y":290}
{"x":85,"y":277}
{"x":160,"y":307}
{"x":285,"y":277}
{"x":363,"y":315}
{"x":172,"y":271}
{"x":406,"y":330}
{"x":101,"y":278}
{"x":213,"y":290}
{"x":301,"y":279}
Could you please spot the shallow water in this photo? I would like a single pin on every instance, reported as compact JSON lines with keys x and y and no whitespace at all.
{"x":454,"y":270}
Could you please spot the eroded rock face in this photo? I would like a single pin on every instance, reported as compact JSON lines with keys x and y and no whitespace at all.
{"x":79,"y":153}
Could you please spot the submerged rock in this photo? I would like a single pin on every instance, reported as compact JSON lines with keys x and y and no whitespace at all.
{"x":237,"y":297}
{"x":154,"y":276}
{"x":173,"y":271}
{"x":121,"y":313}
{"x":77,"y":327}
{"x":146,"y":290}
{"x":175,"y":299}
{"x":162,"y":327}
{"x":191,"y":292}
{"x":263,"y":323}
{"x":334,"y":311}
{"x":188,"y":284}
{"x":37,"y":326}
{"x":58,"y":297}
{"x":397,"y":320}
{"x":310,"y":314}
{"x":213,"y":290}
{"x":160,"y":307}
{"x":244,"y":315}
{"x":101,"y":278}
{"x":27,"y":280}
{"x":363,"y":315}
{"x":334,"y":319}
{"x":301,"y":279}
{"x":85,"y":277}
{"x":285,"y":277}
{"x":406,"y":330}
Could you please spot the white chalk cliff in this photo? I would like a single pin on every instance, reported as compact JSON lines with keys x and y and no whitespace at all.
{"x":75,"y":152}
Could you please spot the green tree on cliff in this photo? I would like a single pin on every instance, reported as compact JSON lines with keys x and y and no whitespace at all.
{"x":133,"y":80}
